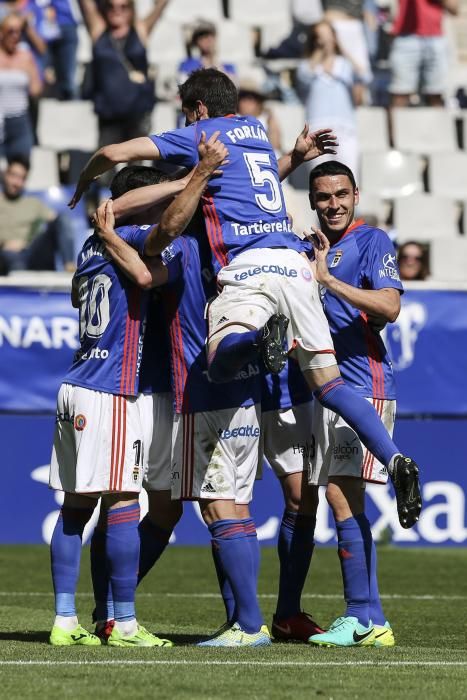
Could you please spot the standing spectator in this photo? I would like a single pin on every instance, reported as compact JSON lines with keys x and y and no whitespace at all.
{"x":31,"y":234}
{"x":413,"y":261}
{"x":251,"y":102}
{"x":327,"y":82}
{"x":19,"y":81}
{"x":204,"y":46}
{"x":419,"y":53}
{"x":346,"y":16}
{"x":122,"y":92}
{"x":59,"y":29}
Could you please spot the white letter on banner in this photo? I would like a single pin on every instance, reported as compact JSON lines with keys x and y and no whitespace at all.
{"x":387,"y":506}
{"x":453,"y":508}
{"x":12,"y":332}
{"x":36,"y":332}
{"x":65,"y":331}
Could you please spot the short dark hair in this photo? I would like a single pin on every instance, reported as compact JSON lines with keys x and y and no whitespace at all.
{"x":19,"y":158}
{"x":331,"y":167}
{"x":133,"y":176}
{"x":213,"y":88}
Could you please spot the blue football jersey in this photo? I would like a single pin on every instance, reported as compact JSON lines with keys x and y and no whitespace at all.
{"x":112,"y":312}
{"x":363,"y":257}
{"x":284,"y":390}
{"x":155,"y":375}
{"x":191,"y":283}
{"x":244,"y":208}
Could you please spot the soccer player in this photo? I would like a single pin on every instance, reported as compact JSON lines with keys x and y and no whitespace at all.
{"x":216,"y":429}
{"x":356,"y":267}
{"x":268,"y":293}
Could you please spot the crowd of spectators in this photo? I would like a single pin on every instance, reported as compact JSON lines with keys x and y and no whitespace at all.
{"x":332,"y":56}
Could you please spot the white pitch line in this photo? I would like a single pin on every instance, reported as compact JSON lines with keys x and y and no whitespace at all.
{"x":320,"y":596}
{"x":212,"y":662}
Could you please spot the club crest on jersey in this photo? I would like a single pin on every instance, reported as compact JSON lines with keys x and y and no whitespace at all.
{"x":336,"y":259}
{"x":80,"y":422}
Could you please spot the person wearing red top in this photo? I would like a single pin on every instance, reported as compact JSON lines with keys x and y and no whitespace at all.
{"x":419,"y":57}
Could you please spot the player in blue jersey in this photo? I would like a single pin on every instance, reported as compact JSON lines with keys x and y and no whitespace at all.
{"x":356,"y":266}
{"x":268,"y":295}
{"x":103,"y":438}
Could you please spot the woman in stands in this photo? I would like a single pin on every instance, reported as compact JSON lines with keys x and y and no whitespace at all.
{"x":412,"y":258}
{"x":327,"y":82}
{"x":19,"y":82}
{"x":119,"y":85}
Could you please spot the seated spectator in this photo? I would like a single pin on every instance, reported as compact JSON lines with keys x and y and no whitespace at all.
{"x":325,"y":81}
{"x":203,"y":44}
{"x":19,"y":81}
{"x":31,"y":235}
{"x":419,"y":52}
{"x":251,"y":102}
{"x":413,"y":262}
{"x":119,"y":82}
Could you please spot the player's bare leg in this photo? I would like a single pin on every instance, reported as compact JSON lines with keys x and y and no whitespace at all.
{"x":295,"y":548}
{"x":65,"y":551}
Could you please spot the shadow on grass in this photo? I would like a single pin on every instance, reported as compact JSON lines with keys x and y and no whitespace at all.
{"x":25,"y":636}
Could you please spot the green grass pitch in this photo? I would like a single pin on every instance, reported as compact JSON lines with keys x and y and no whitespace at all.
{"x":424,"y":594}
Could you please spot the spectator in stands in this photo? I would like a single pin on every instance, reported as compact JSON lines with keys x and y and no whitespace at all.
{"x":203,"y":44}
{"x":31,"y":235}
{"x":413,"y":261}
{"x":120,"y":86}
{"x":58,"y":27}
{"x":328,"y":83}
{"x":19,"y":82}
{"x":251,"y":101}
{"x":419,"y":53}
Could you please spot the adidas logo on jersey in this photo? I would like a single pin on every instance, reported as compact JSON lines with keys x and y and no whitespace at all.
{"x":224,"y":319}
{"x":208,"y":488}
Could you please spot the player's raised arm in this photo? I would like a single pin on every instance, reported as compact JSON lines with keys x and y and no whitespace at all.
{"x":138,"y":200}
{"x":178,"y":215}
{"x":309,"y":145}
{"x":107,"y":157}
{"x":145,"y":275}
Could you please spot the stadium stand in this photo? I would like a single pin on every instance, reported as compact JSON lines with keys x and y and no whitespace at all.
{"x":391,"y":174}
{"x":424,"y":130}
{"x":424,"y":217}
{"x":67,"y":125}
{"x":448,"y":175}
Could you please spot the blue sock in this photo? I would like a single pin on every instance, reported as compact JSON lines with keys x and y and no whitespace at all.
{"x":355,"y":574}
{"x":376,"y":609}
{"x":104,"y":609}
{"x":65,"y":557}
{"x":360,"y":415}
{"x":295,"y":547}
{"x":224,"y":587}
{"x":235,"y":558}
{"x":250,"y":531}
{"x":233,"y":352}
{"x":153,"y":541}
{"x":122,"y":550}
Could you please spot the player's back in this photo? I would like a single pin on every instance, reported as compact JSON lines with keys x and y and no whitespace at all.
{"x":244,"y":207}
{"x":111,"y":315}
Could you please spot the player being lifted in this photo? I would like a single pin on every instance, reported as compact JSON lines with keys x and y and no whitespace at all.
{"x":268,"y":292}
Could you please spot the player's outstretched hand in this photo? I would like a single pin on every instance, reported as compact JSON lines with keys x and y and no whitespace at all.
{"x":320,"y":249}
{"x":81,"y":187}
{"x":310,"y":145}
{"x":104,"y":220}
{"x":212,"y":153}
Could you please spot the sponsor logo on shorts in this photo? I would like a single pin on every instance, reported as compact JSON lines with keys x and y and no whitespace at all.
{"x":307,"y":449}
{"x":336,"y":259}
{"x":267,"y":270}
{"x":208,"y":488}
{"x":64,"y":417}
{"x":224,"y":319}
{"x":306,"y":273}
{"x":93,"y":354}
{"x":346,"y":450}
{"x":389,"y":268}
{"x":80,"y":422}
{"x":135,"y":474}
{"x":243,"y":431}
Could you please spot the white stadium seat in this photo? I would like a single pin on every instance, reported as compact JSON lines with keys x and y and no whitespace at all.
{"x":256,"y":12}
{"x":448,"y":174}
{"x":423,"y":130}
{"x":235,"y":43}
{"x":67,"y":125}
{"x":298,"y":206}
{"x":163,"y":118}
{"x":272,"y":33}
{"x":291,"y":118}
{"x":390,"y":174}
{"x":166,"y":43}
{"x":189,"y":11}
{"x":372,"y":127}
{"x":44,"y":169}
{"x":424,"y":217}
{"x":84,"y":51}
{"x":448,"y":259}
{"x":371,"y":204}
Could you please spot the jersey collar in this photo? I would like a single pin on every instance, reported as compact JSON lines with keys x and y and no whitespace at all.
{"x":355,"y":224}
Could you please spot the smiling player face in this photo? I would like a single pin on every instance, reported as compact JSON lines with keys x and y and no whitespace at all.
{"x":334,"y":199}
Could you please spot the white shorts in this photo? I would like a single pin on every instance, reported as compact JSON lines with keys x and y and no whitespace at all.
{"x":287,"y":438}
{"x":215,"y":454}
{"x":159,"y":411}
{"x":101,"y":442}
{"x":338,"y":450}
{"x":265,"y":281}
